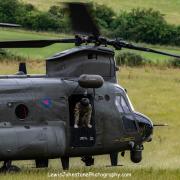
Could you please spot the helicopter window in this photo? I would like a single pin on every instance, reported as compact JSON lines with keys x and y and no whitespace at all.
{"x":124,"y":105}
{"x":121,"y":104}
{"x":107,"y":97}
{"x":129,"y":123}
{"x":132,"y":107}
{"x":21,"y":111}
{"x":118,"y":105}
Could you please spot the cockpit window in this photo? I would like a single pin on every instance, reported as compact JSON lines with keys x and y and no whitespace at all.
{"x":125,"y":99}
{"x":118,"y":104}
{"x":121,"y":104}
{"x":124,"y":105}
{"x":132,"y":107}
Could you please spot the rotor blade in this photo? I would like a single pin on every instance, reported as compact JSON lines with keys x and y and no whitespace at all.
{"x":122,"y":44}
{"x":33,"y":43}
{"x":81,"y":19}
{"x":9,"y":25}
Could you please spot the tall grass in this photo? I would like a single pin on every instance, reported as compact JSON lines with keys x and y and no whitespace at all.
{"x":154,"y":92}
{"x":11,"y":67}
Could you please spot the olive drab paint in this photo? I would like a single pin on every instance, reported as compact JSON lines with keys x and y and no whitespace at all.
{"x":37,"y":111}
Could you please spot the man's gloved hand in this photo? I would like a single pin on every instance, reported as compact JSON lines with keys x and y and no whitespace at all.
{"x":89,"y":126}
{"x":75,"y":126}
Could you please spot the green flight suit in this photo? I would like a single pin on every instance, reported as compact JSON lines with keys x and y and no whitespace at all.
{"x":82,"y":114}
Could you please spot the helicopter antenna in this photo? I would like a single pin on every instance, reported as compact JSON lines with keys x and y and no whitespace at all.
{"x":160,"y":125}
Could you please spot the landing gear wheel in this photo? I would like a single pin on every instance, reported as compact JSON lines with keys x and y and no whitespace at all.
{"x":8,"y":167}
{"x":114,"y":158}
{"x":136,"y":153}
{"x":136,"y":156}
{"x":88,"y":160}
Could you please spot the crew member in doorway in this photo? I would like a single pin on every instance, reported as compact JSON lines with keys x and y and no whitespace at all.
{"x":82,"y":113}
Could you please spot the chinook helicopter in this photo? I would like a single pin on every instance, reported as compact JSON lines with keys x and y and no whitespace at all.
{"x":37,"y":111}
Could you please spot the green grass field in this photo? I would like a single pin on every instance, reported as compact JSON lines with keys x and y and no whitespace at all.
{"x":154,"y":92}
{"x":170,"y":9}
{"x":42,"y":53}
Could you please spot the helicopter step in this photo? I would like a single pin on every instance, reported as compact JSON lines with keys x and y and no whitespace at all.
{"x":82,"y":137}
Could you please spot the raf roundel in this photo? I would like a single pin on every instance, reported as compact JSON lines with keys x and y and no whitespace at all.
{"x":46,"y":103}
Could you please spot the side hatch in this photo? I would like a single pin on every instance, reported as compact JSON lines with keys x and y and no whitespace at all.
{"x":81,"y":136}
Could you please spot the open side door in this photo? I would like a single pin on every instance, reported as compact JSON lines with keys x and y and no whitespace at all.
{"x":81,"y":136}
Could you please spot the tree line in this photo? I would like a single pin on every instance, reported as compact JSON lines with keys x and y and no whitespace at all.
{"x":139,"y":25}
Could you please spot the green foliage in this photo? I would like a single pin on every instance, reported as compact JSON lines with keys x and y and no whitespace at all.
{"x":104,"y":15}
{"x":7,"y":55}
{"x":57,"y":11}
{"x":148,"y":26}
{"x":60,"y":16}
{"x":175,"y":63}
{"x":12,"y":11}
{"x":40,"y":21}
{"x":140,"y":25}
{"x":53,"y":20}
{"x":130,"y":59}
{"x":9,"y":10}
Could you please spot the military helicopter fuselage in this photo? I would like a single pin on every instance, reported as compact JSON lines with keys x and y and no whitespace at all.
{"x":37,"y":111}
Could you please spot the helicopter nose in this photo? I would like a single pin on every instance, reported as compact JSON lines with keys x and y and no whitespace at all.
{"x":145,"y":126}
{"x":148,"y":131}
